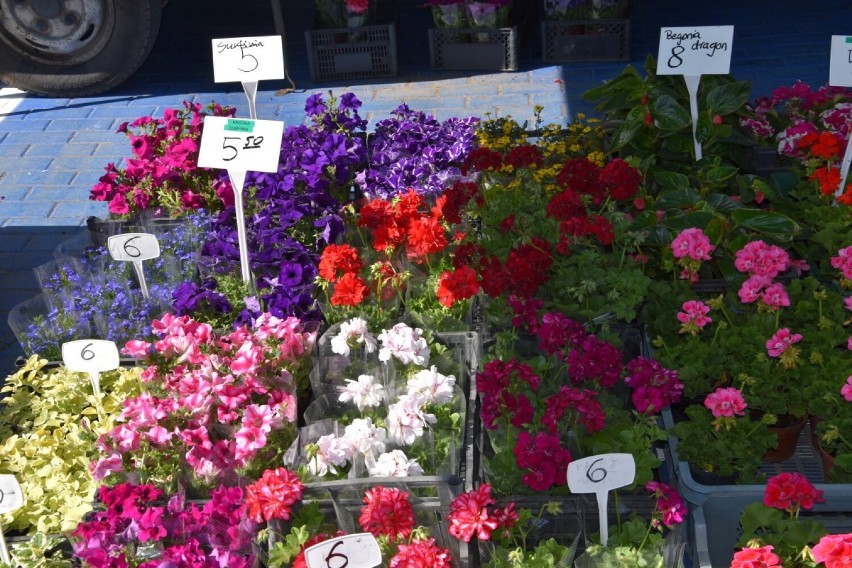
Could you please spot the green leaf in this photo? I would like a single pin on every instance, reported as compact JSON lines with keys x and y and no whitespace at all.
{"x":632,"y":125}
{"x":716,"y":175}
{"x":671,"y":180}
{"x":669,"y":114}
{"x":776,"y":224}
{"x":722,"y":203}
{"x":728,"y":98}
{"x":698,"y":219}
{"x":704,"y":128}
{"x":677,"y":199}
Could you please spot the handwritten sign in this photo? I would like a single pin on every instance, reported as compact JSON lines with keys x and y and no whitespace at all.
{"x":240,"y":144}
{"x":11,"y":496}
{"x":599,"y":475}
{"x":135,"y":247}
{"x":351,"y":551}
{"x":241,"y":59}
{"x":11,"y":499}
{"x":840,"y":75}
{"x":703,"y":50}
{"x":92,"y":356}
{"x":840,"y":70}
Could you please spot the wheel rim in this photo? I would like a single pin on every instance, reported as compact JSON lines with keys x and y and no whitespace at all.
{"x":66,"y":32}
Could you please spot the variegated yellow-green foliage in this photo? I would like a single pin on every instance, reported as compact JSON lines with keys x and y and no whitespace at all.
{"x":49,"y":423}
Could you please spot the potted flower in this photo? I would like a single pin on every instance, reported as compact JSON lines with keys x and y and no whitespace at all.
{"x":721,"y":442}
{"x":342,"y":13}
{"x":163,"y":176}
{"x":448,"y":13}
{"x":486,"y":42}
{"x":774,"y":531}
{"x":640,"y":542}
{"x":216,"y":405}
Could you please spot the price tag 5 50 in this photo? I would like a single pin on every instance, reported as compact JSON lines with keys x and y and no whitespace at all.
{"x":239,"y":144}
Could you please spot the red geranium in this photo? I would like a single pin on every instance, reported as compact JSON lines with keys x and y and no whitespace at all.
{"x":469,"y":515}
{"x":387,"y":512}
{"x":337,"y":260}
{"x":350,"y":290}
{"x":762,"y":557}
{"x":791,"y":492}
{"x":421,"y":553}
{"x":621,"y":180}
{"x":273,"y":495}
{"x":459,"y":284}
{"x":524,"y":156}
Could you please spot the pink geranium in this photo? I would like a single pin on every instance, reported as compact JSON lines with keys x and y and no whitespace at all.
{"x":780,"y":341}
{"x":694,"y":316}
{"x":843,"y":262}
{"x":846,"y":389}
{"x":834,"y":550}
{"x":726,"y":402}
{"x":775,"y":296}
{"x":692,"y":243}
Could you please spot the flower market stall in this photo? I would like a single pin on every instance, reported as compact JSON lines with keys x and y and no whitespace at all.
{"x":442,"y":317}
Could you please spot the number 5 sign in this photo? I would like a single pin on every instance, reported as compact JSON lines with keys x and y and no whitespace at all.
{"x":351,"y":551}
{"x":599,"y":474}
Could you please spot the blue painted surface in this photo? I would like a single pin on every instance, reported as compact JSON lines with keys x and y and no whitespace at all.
{"x":53,"y":150}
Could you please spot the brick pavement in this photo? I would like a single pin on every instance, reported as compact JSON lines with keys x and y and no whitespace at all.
{"x":53,"y":150}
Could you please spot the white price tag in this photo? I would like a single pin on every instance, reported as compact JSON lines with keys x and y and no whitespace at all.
{"x":240,"y":144}
{"x":599,"y":474}
{"x":241,"y":59}
{"x":840,"y":71}
{"x":92,"y":356}
{"x":133,"y":247}
{"x":703,"y":50}
{"x":351,"y":551}
{"x":11,"y":497}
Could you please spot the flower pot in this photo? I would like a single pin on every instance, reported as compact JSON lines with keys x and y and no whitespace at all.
{"x":788,"y":436}
{"x":827,"y":462}
{"x":709,"y":478}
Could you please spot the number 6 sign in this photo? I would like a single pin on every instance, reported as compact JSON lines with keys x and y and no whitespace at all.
{"x":351,"y":551}
{"x":599,"y":474}
{"x":11,"y":499}
{"x":92,"y":356}
{"x":135,"y":247}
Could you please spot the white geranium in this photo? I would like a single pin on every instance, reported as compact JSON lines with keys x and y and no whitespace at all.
{"x":331,"y":453}
{"x":395,"y":464}
{"x":435,"y":387}
{"x":406,"y":420}
{"x":366,"y":392}
{"x":405,"y":343}
{"x":365,"y":438}
{"x":353,"y":332}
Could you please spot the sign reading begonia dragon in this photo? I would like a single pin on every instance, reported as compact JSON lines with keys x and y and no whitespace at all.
{"x":693,"y":52}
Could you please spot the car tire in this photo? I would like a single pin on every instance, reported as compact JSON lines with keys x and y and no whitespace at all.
{"x":73,"y":48}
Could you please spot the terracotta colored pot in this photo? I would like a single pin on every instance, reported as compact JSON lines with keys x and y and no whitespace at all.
{"x":788,"y":437}
{"x":827,"y":462}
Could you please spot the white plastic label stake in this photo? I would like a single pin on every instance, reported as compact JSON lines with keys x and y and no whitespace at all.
{"x":92,"y":356}
{"x":11,"y":499}
{"x":351,"y":551}
{"x":599,"y":475}
{"x":240,"y":144}
{"x":840,"y":75}
{"x":135,"y":247}
{"x":692,"y":52}
{"x":703,"y":50}
{"x":242,"y":59}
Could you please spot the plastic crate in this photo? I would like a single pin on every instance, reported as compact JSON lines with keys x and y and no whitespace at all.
{"x":573,"y":41}
{"x":713,"y":523}
{"x":474,"y":49}
{"x":352,"y":53}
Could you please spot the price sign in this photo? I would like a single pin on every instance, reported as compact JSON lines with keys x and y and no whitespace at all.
{"x":135,"y":247}
{"x":241,"y":59}
{"x":92,"y":356}
{"x":240,"y":144}
{"x":693,"y":52}
{"x":840,"y":75}
{"x":11,"y":499}
{"x":704,"y":50}
{"x":599,"y":475}
{"x":11,"y":496}
{"x":351,"y":551}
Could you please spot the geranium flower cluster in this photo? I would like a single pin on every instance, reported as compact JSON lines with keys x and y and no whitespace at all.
{"x":690,"y":248}
{"x":164,"y":173}
{"x":388,"y":415}
{"x":470,"y":515}
{"x":669,"y":508}
{"x":389,"y":516}
{"x":762,"y":262}
{"x":413,"y":151}
{"x":139,"y":521}
{"x":213,"y":402}
{"x":273,"y":495}
{"x":654,"y":387}
{"x":406,"y":237}
{"x":694,"y":317}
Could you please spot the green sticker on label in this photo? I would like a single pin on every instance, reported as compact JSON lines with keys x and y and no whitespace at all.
{"x":239,"y":125}
{"x":849,"y":40}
